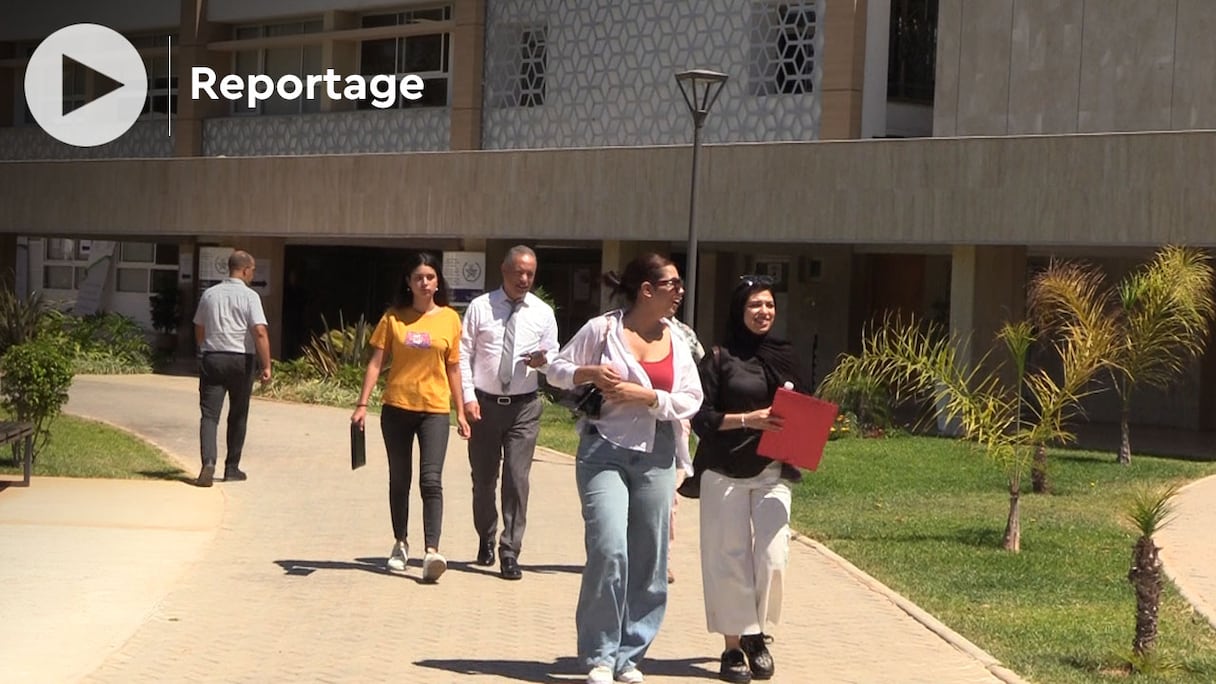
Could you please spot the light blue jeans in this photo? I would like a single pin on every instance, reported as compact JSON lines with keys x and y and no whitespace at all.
{"x":626,"y":497}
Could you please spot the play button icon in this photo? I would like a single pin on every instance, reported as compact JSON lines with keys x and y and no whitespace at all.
{"x":116,"y":85}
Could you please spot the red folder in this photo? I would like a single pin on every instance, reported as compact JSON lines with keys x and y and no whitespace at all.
{"x":808,"y":421}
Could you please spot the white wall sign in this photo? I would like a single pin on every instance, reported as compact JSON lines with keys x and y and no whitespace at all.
{"x":213,"y":267}
{"x":466,"y":275}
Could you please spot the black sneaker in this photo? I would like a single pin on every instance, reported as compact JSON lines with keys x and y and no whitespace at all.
{"x":205,"y":476}
{"x":234,"y":475}
{"x":754,"y":645}
{"x":734,"y":667}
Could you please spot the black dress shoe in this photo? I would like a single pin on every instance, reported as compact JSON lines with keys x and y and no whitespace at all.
{"x":510,"y":569}
{"x":234,"y":475}
{"x":485,"y":554}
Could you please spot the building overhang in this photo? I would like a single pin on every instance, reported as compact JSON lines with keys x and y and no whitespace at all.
{"x":1096,"y":189}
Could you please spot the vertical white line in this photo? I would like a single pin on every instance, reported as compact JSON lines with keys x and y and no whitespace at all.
{"x":169,"y":83}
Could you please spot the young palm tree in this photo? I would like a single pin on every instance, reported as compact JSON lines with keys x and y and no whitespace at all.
{"x":1009,"y":420}
{"x":1149,"y":513}
{"x":1165,"y":311}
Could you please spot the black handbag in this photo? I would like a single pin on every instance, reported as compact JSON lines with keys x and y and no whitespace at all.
{"x":584,"y":401}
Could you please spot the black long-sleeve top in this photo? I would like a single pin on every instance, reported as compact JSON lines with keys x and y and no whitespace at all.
{"x":731,"y":385}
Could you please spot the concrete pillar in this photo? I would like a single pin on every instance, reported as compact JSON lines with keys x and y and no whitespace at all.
{"x":186,"y":279}
{"x":615,"y":254}
{"x":987,"y":288}
{"x":340,"y":55}
{"x":874,"y":89}
{"x":195,"y":32}
{"x":468,"y":53}
{"x":844,"y":50}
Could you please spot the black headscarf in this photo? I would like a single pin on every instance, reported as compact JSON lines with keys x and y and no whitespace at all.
{"x":776,"y":356}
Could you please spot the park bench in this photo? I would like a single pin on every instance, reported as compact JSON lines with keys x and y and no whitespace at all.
{"x":21,"y":436}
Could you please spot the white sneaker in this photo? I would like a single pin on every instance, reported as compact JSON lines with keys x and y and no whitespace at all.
{"x":600,"y":674}
{"x":398,"y":556}
{"x":433,"y":565}
{"x":631,"y":676}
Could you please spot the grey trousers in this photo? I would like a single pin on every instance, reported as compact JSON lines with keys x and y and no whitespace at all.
{"x":505,"y":436}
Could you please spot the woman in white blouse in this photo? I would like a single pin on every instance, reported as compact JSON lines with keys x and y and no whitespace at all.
{"x":625,"y":467}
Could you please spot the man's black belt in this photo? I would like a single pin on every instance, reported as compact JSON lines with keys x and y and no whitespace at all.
{"x":506,"y":399}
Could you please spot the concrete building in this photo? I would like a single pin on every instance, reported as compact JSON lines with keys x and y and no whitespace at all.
{"x":917,"y":155}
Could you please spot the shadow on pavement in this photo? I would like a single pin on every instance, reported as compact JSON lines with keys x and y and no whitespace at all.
{"x":175,"y":474}
{"x":473,"y":568}
{"x":562,"y":669}
{"x":304,"y":568}
{"x":550,"y":569}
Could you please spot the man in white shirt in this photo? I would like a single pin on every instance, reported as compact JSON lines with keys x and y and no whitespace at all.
{"x":229,"y":328}
{"x":507,"y":334}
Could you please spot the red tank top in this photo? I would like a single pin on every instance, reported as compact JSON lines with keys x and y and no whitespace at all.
{"x":662,"y":373}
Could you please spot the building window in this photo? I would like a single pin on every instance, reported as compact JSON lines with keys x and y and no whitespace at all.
{"x":132,"y":280}
{"x":57,"y":277}
{"x":138,"y":252}
{"x":407,"y":17}
{"x":64,"y":262}
{"x":519,"y":61}
{"x":298,"y":60}
{"x":142,"y":266}
{"x":782,"y":48}
{"x":427,"y":56}
{"x":145,"y":266}
{"x":911,"y":60}
{"x":162,"y":88}
{"x":58,"y":249}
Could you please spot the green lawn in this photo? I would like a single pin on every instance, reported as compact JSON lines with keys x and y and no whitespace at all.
{"x":925,"y":516}
{"x":84,"y":448}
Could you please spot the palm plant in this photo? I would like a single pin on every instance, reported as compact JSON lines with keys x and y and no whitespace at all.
{"x":1067,"y":303}
{"x":1150,"y":511}
{"x":1009,"y":418}
{"x":346,"y":346}
{"x":1164,"y":312}
{"x":21,"y":318}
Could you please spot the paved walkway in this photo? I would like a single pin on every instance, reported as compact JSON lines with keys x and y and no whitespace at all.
{"x":1188,"y":547}
{"x":279,"y":578}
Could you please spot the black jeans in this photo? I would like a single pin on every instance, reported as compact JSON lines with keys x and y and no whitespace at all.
{"x":223,"y":373}
{"x":399,"y":428}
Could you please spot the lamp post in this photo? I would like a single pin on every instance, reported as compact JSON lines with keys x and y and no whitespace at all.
{"x":700,"y":88}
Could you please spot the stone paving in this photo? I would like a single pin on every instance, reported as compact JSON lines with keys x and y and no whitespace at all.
{"x":290,"y":584}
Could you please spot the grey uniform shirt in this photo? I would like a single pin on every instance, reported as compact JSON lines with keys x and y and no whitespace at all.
{"x":228,"y":313}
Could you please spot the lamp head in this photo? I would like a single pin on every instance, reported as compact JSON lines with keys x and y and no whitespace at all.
{"x":700,"y":88}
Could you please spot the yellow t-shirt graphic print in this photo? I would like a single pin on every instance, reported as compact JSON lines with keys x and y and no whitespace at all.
{"x":421,"y":346}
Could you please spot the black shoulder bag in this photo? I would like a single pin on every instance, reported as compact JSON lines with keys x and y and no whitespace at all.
{"x":585,"y":401}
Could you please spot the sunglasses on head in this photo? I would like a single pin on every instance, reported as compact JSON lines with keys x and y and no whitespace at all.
{"x":753,"y":279}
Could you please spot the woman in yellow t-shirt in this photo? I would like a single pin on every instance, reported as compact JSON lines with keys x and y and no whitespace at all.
{"x":421,"y":334}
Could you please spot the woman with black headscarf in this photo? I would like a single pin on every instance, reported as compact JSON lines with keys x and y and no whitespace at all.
{"x":745,"y":497}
